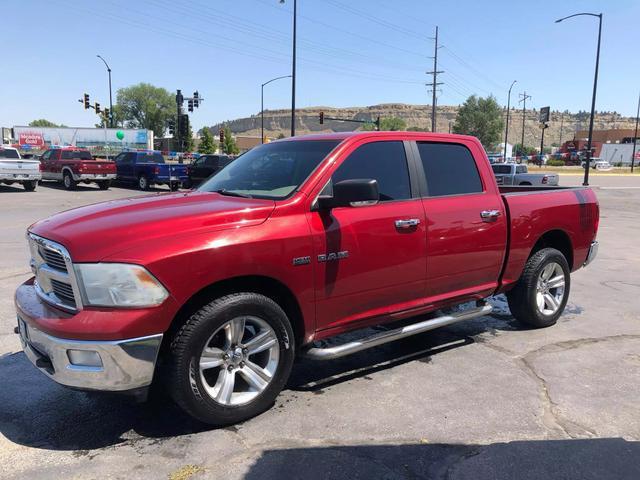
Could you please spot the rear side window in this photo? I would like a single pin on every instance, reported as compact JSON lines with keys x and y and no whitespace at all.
{"x":521,"y":169}
{"x":385,"y":162}
{"x":76,"y":154}
{"x":501,"y":169}
{"x":450,"y":169}
{"x":150,"y":158}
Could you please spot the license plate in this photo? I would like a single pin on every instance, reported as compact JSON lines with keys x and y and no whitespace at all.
{"x":17,"y":175}
{"x":23,"y":332}
{"x":101,"y":175}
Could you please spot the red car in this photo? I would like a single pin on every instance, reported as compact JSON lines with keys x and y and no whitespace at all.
{"x":214,"y":292}
{"x":72,"y":165}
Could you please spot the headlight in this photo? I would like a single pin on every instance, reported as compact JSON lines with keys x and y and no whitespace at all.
{"x":118,"y":285}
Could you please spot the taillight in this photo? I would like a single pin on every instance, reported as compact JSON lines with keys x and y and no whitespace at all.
{"x":41,"y":167}
{"x":545,"y":179}
{"x":157,"y":170}
{"x":597,"y":219}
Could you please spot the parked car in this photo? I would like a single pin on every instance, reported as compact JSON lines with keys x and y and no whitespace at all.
{"x":598,"y":164}
{"x":513,"y":174}
{"x":71,"y":165}
{"x":146,"y":169}
{"x":14,"y":169}
{"x":205,"y":166}
{"x":214,"y":292}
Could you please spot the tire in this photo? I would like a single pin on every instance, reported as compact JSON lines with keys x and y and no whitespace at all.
{"x":30,"y":185}
{"x":174,"y":186}
{"x":104,"y":184}
{"x":524,"y":298}
{"x":143,"y":183}
{"x":68,"y":181}
{"x":200,"y":392}
{"x":188,"y":184}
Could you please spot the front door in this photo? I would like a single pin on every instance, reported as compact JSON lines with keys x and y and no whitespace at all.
{"x":369,"y":261}
{"x":466,"y":223}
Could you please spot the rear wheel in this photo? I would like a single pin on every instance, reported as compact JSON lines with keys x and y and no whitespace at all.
{"x":174,"y":186}
{"x":30,"y":185}
{"x":541,"y":294}
{"x":143,"y":182}
{"x":104,"y":184}
{"x":68,"y":181}
{"x":231,"y":359}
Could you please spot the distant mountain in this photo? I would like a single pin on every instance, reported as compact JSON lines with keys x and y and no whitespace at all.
{"x":278,"y":122}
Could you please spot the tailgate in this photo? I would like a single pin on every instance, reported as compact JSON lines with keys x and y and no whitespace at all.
{"x":176,"y":169}
{"x":97,"y":166}
{"x":19,"y":167}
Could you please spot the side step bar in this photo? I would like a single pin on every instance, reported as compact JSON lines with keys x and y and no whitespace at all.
{"x":374,"y":340}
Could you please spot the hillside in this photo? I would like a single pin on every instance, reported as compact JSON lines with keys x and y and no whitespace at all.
{"x":278,"y":121}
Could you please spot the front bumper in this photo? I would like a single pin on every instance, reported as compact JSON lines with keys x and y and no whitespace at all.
{"x":118,"y":365}
{"x":92,"y":177}
{"x":593,"y":252}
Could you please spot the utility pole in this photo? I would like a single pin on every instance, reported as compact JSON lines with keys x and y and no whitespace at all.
{"x":635,"y":137}
{"x":506,"y":128}
{"x":435,"y":82}
{"x":561,"y":126}
{"x":523,"y":100}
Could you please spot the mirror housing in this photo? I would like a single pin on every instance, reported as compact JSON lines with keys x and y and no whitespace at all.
{"x":351,"y":193}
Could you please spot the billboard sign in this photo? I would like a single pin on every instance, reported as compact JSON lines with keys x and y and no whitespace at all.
{"x":32,"y":139}
{"x":44,"y":137}
{"x":544,"y":114}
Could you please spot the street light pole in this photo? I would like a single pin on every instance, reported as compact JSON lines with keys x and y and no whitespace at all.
{"x":110,"y":96}
{"x":506,"y":130}
{"x":293,"y":70}
{"x":262,"y":104}
{"x":595,"y":88}
{"x":635,"y":137}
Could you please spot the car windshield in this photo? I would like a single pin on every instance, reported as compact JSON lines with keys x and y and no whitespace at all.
{"x":79,"y":154}
{"x":8,"y":153}
{"x":501,"y":169}
{"x":274,"y":170}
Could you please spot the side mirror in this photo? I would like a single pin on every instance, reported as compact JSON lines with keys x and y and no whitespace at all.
{"x":351,"y":193}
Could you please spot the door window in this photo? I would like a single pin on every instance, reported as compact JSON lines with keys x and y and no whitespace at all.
{"x":450,"y":169}
{"x":46,"y":155}
{"x":385,"y":162}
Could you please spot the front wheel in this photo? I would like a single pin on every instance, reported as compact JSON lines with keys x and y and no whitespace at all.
{"x":30,"y":185}
{"x":231,"y":359}
{"x":541,"y":293}
{"x":68,"y":181}
{"x":143,"y":182}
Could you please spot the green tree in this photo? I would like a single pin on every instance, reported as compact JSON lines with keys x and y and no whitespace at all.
{"x":189,"y":143}
{"x":390,"y":124}
{"x":145,"y":106}
{"x":207,"y":144}
{"x":43,"y":122}
{"x":520,"y":150}
{"x":229,"y":146}
{"x":482,"y":118}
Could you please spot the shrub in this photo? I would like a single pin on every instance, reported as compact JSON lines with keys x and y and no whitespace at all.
{"x":555,"y":162}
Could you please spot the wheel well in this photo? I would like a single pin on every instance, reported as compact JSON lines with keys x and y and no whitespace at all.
{"x":267,"y":286}
{"x":556,"y":239}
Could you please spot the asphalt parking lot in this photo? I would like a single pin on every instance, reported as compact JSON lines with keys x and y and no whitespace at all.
{"x":482,"y":399}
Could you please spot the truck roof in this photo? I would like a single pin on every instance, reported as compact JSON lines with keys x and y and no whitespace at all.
{"x":361,"y":134}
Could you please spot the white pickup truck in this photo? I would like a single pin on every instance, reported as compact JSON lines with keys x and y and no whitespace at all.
{"x":513,"y":174}
{"x":14,"y":169}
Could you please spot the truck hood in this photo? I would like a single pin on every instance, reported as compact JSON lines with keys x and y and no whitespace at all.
{"x":93,"y":232}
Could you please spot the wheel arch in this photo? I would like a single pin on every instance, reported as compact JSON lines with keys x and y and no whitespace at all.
{"x":267,"y":286}
{"x":558,"y":239}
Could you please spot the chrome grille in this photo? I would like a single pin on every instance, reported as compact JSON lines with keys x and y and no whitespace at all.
{"x":55,"y":280}
{"x":53,"y":259}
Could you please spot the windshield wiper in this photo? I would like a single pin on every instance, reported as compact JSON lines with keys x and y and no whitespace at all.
{"x":231,"y":193}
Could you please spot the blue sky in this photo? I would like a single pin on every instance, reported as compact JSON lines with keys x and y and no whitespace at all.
{"x":350,"y":53}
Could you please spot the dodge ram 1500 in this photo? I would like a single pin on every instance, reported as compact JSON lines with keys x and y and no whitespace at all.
{"x":214,"y":292}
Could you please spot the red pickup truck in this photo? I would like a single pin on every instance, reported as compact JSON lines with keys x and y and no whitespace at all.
{"x":215,"y":291}
{"x":71,"y":165}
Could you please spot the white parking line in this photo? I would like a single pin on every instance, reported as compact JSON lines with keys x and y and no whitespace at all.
{"x":618,"y":188}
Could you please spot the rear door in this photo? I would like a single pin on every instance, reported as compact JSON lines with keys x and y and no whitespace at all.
{"x":370,"y":260}
{"x":466,"y":221}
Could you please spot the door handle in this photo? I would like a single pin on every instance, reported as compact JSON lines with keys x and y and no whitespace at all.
{"x":489,"y":215}
{"x":411,"y":222}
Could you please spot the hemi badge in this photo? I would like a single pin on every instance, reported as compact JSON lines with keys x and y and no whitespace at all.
{"x":301,"y":261}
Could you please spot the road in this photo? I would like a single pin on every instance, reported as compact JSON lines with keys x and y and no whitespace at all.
{"x":482,"y":399}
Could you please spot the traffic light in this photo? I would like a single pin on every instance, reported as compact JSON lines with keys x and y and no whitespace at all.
{"x":221,"y":136}
{"x":196,"y":99}
{"x":184,"y":126}
{"x":86,"y":101}
{"x":171,"y":123}
{"x":106,"y":113}
{"x":190,"y":105}
{"x":179,"y":98}
{"x":321,"y":118}
{"x":96,"y":106}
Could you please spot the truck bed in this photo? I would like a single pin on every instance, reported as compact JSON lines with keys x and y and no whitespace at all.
{"x":514,"y":189}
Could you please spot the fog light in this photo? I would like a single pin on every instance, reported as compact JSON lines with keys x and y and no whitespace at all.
{"x":84,"y":358}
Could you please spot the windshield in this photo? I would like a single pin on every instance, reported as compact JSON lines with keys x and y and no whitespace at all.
{"x":9,"y":153}
{"x":273,"y":170}
{"x":501,"y":169}
{"x":81,"y":154}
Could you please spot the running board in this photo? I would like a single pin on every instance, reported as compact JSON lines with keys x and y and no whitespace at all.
{"x":374,"y":340}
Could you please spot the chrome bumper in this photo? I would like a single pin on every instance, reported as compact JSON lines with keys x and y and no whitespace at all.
{"x":593,"y":251}
{"x":118,"y":365}
{"x":20,"y":177}
{"x":83,"y":177}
